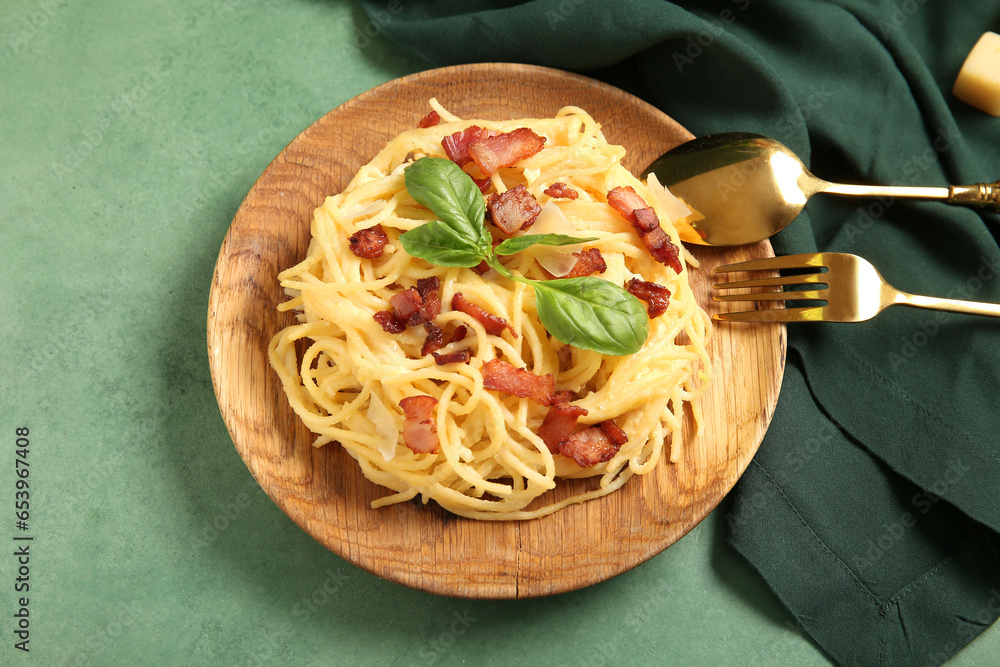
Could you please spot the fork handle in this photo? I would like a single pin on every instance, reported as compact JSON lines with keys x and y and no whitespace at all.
{"x":981,"y":195}
{"x":950,"y":305}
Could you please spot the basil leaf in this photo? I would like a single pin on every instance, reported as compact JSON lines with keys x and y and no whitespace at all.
{"x":450,"y":194}
{"x":440,"y":244}
{"x":519,"y":243}
{"x":592,"y":314}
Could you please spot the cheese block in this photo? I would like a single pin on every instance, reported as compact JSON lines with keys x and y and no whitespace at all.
{"x":978,"y":82}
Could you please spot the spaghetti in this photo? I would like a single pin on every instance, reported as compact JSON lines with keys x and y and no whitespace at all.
{"x":348,"y":384}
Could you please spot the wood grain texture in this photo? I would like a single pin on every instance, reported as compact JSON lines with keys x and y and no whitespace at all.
{"x":323,"y":490}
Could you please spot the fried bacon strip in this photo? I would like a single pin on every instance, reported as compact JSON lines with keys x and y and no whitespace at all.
{"x":626,"y":200}
{"x":459,"y":356}
{"x":390,"y":323}
{"x":458,"y":334}
{"x":405,"y":306}
{"x":456,"y":145}
{"x":504,"y":376}
{"x":633,"y":208}
{"x":430,"y":297}
{"x":560,"y":190}
{"x":504,"y":150}
{"x":513,"y":210}
{"x":368,"y":243}
{"x":614,"y":432}
{"x":493,"y":324}
{"x":412,"y":306}
{"x":430,"y":120}
{"x":434,"y":340}
{"x":589,"y":447}
{"x":559,"y":424}
{"x":483,"y":184}
{"x":588,"y":263}
{"x":419,"y":429}
{"x":654,"y":294}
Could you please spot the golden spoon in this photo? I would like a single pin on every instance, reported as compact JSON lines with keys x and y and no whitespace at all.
{"x":749,"y":187}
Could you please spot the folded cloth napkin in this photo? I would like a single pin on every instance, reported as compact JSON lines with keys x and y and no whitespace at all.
{"x":871,"y":507}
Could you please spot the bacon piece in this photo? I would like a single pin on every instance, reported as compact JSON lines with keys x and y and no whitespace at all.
{"x":419,"y":429}
{"x":368,"y":243}
{"x":458,"y":334}
{"x":513,"y":210}
{"x":654,"y":294}
{"x":493,"y":324}
{"x":504,"y":376}
{"x":483,"y":184}
{"x":416,"y":305}
{"x":481,"y":268}
{"x":614,"y":432}
{"x":458,"y":356}
{"x":457,"y":145}
{"x":390,"y":323}
{"x":560,"y":190}
{"x":662,"y":248}
{"x":625,"y":200}
{"x":559,"y":424}
{"x":645,"y":219}
{"x":588,"y":262}
{"x":504,"y":150}
{"x":406,"y":306}
{"x":563,"y":396}
{"x":430,"y":120}
{"x":434,"y":340}
{"x":589,"y":447}
{"x":633,"y":208}
{"x":430,"y":297}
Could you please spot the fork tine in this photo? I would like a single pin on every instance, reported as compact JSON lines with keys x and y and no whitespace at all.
{"x":784,"y":262}
{"x":811,"y":278}
{"x":792,"y":295}
{"x":813,"y":314}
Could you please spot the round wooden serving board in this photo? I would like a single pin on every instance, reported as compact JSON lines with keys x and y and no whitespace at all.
{"x":323,"y":489}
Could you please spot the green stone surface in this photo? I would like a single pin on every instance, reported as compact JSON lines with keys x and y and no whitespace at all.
{"x":131,"y":132}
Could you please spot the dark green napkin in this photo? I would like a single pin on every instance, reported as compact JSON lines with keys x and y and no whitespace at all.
{"x":872,"y":507}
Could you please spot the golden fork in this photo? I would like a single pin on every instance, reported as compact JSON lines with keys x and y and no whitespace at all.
{"x":852,"y":289}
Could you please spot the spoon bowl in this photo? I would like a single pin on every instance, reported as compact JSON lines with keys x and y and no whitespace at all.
{"x":744,"y":188}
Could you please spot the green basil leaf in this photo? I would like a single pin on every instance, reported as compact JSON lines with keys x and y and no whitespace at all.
{"x":440,"y":244}
{"x":519,"y":243}
{"x":592,"y":314}
{"x":450,"y":194}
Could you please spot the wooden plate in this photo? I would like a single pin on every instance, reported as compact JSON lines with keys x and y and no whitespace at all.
{"x":323,"y":490}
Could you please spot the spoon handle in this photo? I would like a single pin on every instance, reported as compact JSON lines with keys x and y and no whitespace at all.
{"x":981,"y":195}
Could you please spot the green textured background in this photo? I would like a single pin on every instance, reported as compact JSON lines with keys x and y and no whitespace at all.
{"x":130,"y":134}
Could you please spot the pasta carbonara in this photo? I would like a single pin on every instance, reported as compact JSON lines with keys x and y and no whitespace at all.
{"x":437,"y":425}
